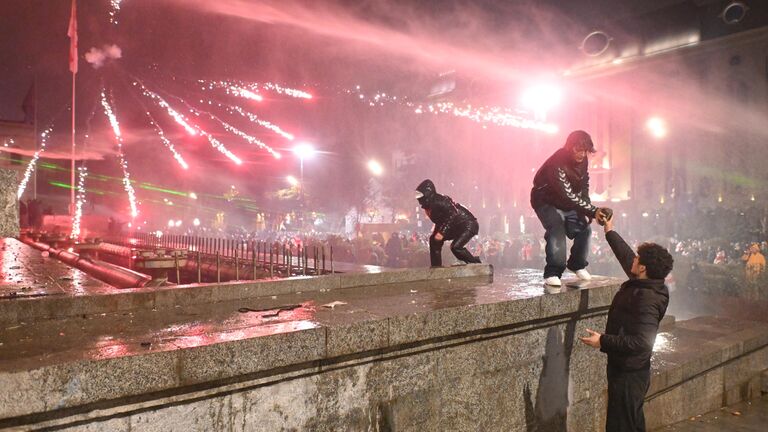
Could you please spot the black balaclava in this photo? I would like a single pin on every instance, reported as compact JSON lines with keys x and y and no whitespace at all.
{"x":427,"y":190}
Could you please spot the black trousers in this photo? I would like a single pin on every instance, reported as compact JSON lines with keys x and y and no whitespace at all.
{"x":626,"y":391}
{"x":461,"y":235}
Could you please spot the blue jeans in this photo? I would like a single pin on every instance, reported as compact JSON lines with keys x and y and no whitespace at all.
{"x":554,"y":222}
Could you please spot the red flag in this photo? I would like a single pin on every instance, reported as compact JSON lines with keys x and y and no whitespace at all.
{"x":72,"y":33}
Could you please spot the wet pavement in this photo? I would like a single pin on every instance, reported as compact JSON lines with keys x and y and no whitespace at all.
{"x":26,"y":273}
{"x":743,"y":417}
{"x":687,"y":339}
{"x":25,"y":345}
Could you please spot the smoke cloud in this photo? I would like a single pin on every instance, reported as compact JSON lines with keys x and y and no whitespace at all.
{"x":97,"y":57}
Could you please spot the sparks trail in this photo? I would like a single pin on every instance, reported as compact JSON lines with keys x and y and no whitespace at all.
{"x":499,"y":116}
{"x":179,"y":118}
{"x":160,"y":132}
{"x":249,"y":90}
{"x":237,"y":89}
{"x":182,"y":120}
{"x":229,"y":128}
{"x":33,"y":162}
{"x":232,"y":89}
{"x":114,"y":10}
{"x":168,"y":144}
{"x":123,"y":163}
{"x":82,"y":173}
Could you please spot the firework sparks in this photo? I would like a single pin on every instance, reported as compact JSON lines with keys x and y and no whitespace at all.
{"x":284,"y":90}
{"x":499,"y":116}
{"x":123,"y":163}
{"x":231,"y":109}
{"x":255,"y":119}
{"x":250,"y":139}
{"x":114,"y":10}
{"x":234,"y":130}
{"x":192,"y":129}
{"x":483,"y":115}
{"x":179,"y":118}
{"x":244,"y":93}
{"x":168,"y":144}
{"x":33,"y":162}
{"x":82,"y":173}
{"x":247,"y":90}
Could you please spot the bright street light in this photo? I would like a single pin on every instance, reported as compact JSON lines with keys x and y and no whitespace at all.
{"x":657,"y":126}
{"x":375,"y":167}
{"x":304,"y":151}
{"x":541,"y":98}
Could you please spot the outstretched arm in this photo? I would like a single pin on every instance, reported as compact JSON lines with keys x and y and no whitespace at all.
{"x":620,"y":248}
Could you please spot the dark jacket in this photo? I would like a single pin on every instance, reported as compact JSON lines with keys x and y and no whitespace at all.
{"x":564,"y":184}
{"x":634,"y":316}
{"x":446,"y":214}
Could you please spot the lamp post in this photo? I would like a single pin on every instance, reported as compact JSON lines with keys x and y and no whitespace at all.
{"x":302,"y":151}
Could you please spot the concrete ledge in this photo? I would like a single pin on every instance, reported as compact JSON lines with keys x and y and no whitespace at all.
{"x":13,"y":311}
{"x":720,"y":364}
{"x":350,"y":339}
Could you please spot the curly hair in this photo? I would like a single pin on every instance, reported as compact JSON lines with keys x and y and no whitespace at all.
{"x":656,"y":259}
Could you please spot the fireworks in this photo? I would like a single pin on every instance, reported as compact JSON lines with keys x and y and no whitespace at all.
{"x":253,"y":118}
{"x":235,"y":131}
{"x":249,"y":138}
{"x":123,"y":163}
{"x":168,"y":144}
{"x":240,"y":89}
{"x":179,"y":118}
{"x":499,"y":116}
{"x":286,"y":91}
{"x":247,"y":90}
{"x":495,"y":115}
{"x":33,"y":162}
{"x":114,"y":10}
{"x":192,"y":129}
{"x":221,"y":147}
{"x":82,"y":173}
{"x":244,"y":93}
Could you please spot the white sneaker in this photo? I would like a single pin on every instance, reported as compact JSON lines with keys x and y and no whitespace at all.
{"x":553,"y":281}
{"x":583,"y":274}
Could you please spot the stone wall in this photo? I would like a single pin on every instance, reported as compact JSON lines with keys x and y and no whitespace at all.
{"x":513,"y":365}
{"x":525,"y":379}
{"x":9,"y":204}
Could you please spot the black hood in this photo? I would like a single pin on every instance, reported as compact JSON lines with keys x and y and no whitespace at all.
{"x":427,"y":188}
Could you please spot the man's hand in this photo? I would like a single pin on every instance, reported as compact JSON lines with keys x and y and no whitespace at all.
{"x":603,"y":214}
{"x":608,"y":225}
{"x":592,"y":340}
{"x":438,"y":237}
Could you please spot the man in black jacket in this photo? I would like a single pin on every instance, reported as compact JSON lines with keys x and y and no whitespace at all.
{"x":452,"y":222}
{"x":560,"y":198}
{"x":630,"y":333}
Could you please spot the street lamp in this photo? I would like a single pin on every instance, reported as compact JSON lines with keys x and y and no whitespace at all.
{"x":657,"y":126}
{"x":375,"y":167}
{"x":303,"y":151}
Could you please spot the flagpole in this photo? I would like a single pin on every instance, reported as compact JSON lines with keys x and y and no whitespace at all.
{"x":72,"y":33}
{"x":34,"y":101}
{"x":72,"y":177}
